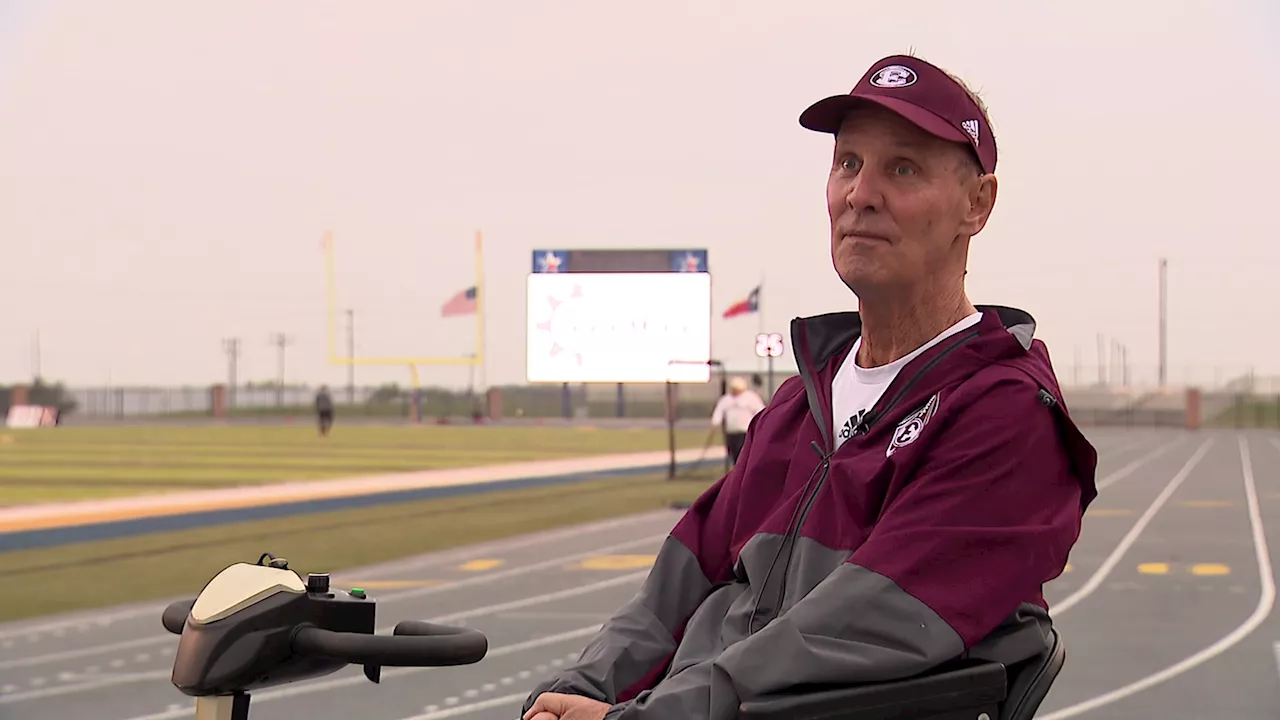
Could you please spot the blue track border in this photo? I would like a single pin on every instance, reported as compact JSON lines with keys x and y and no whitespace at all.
{"x":53,"y":537}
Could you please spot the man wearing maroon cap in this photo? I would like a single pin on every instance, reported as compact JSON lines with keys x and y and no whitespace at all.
{"x":904,"y":500}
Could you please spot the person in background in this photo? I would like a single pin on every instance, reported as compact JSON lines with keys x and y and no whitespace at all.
{"x":733,"y":413}
{"x":324,"y":410}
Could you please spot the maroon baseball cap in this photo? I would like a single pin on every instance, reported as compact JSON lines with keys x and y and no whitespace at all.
{"x":922,"y":94}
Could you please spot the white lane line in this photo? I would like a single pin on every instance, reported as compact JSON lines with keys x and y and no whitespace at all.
{"x":1266,"y":601}
{"x":72,"y":654}
{"x":489,"y":549}
{"x":533,"y":599}
{"x":287,"y":691}
{"x":1056,"y":610}
{"x":1126,"y":447}
{"x":518,"y":571}
{"x":1128,"y":470}
{"x":443,"y":558}
{"x":515,"y":699}
{"x":102,"y":682}
{"x":102,"y":620}
{"x":556,"y":615}
{"x":382,"y":600}
{"x":466,"y":614}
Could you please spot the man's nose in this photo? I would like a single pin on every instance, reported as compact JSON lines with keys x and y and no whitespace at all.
{"x":864,"y":191}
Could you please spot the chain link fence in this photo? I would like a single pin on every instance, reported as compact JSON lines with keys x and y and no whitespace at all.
{"x":1225,"y":399}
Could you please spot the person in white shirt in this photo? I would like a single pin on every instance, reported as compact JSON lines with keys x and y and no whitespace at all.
{"x":733,"y":414}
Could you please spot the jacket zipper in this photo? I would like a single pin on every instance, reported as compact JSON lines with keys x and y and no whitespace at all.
{"x":800,"y":341}
{"x":825,"y":452}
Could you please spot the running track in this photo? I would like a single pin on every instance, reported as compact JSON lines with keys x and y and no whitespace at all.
{"x":1167,"y":608}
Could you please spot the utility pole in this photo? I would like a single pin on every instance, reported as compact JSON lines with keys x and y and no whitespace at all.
{"x":35,"y":358}
{"x":1119,"y":362}
{"x":1114,"y":375}
{"x":231,"y":346}
{"x":280,"y":340}
{"x":1102,"y":360}
{"x":1164,"y":331}
{"x":351,"y":356}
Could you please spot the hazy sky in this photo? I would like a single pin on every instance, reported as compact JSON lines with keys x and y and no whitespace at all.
{"x":167,"y":169}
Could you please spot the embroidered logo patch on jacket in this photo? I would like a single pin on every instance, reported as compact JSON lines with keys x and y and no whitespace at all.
{"x":912,"y":425}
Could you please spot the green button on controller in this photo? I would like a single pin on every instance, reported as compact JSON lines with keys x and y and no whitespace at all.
{"x":357,"y":592}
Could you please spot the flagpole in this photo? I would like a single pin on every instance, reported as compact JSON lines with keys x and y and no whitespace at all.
{"x":760,"y":315}
{"x":760,"y":302}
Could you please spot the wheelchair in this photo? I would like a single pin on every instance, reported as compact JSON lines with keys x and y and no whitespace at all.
{"x":964,"y":690}
{"x":260,"y":625}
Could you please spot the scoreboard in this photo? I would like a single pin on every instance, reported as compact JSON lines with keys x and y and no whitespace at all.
{"x":628,"y":315}
{"x":620,"y":261}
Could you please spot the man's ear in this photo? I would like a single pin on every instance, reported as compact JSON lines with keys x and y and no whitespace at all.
{"x":980,"y":201}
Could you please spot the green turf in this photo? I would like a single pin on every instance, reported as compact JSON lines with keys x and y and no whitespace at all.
{"x":95,"y":462}
{"x":1249,"y":413}
{"x":171,"y":564}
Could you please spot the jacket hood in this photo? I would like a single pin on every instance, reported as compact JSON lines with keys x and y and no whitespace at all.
{"x":1005,"y":336}
{"x":831,"y":335}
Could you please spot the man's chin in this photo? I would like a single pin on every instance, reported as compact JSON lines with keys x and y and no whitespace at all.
{"x":865,"y":281}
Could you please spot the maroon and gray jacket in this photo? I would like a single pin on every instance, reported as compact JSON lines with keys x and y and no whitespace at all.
{"x":927,"y":536}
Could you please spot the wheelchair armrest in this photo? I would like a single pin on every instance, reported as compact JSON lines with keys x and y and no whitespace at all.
{"x":958,"y":691}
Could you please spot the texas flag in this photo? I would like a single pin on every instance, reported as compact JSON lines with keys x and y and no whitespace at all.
{"x":464,"y":303}
{"x":745,"y":307}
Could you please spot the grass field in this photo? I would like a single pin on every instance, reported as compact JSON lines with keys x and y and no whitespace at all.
{"x":163,"y":565}
{"x":73,"y":463}
{"x":1249,"y":413}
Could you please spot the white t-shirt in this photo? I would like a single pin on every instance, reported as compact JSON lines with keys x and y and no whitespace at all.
{"x":737,"y":410}
{"x":855,"y":390}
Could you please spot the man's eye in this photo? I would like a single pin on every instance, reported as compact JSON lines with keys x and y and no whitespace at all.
{"x":904,"y":170}
{"x":848,"y":164}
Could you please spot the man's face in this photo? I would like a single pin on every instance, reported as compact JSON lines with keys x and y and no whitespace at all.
{"x":902,"y":202}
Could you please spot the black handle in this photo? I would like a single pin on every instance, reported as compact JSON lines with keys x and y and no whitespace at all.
{"x":426,"y":629}
{"x":175,"y":616}
{"x":438,"y":647}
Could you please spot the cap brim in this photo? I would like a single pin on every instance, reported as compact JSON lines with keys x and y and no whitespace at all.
{"x":828,"y":114}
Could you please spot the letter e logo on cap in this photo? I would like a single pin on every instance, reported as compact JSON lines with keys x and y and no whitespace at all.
{"x":894,"y":76}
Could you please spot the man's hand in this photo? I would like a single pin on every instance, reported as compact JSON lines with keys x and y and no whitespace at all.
{"x":559,"y":706}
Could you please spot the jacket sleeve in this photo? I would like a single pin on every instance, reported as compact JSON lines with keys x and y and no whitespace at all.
{"x":989,"y":514}
{"x":634,"y":647}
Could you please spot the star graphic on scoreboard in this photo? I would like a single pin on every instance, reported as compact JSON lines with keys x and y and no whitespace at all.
{"x":557,"y":348}
{"x":550,"y":262}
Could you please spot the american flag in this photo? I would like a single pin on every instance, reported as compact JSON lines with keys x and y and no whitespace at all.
{"x":464,"y":303}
